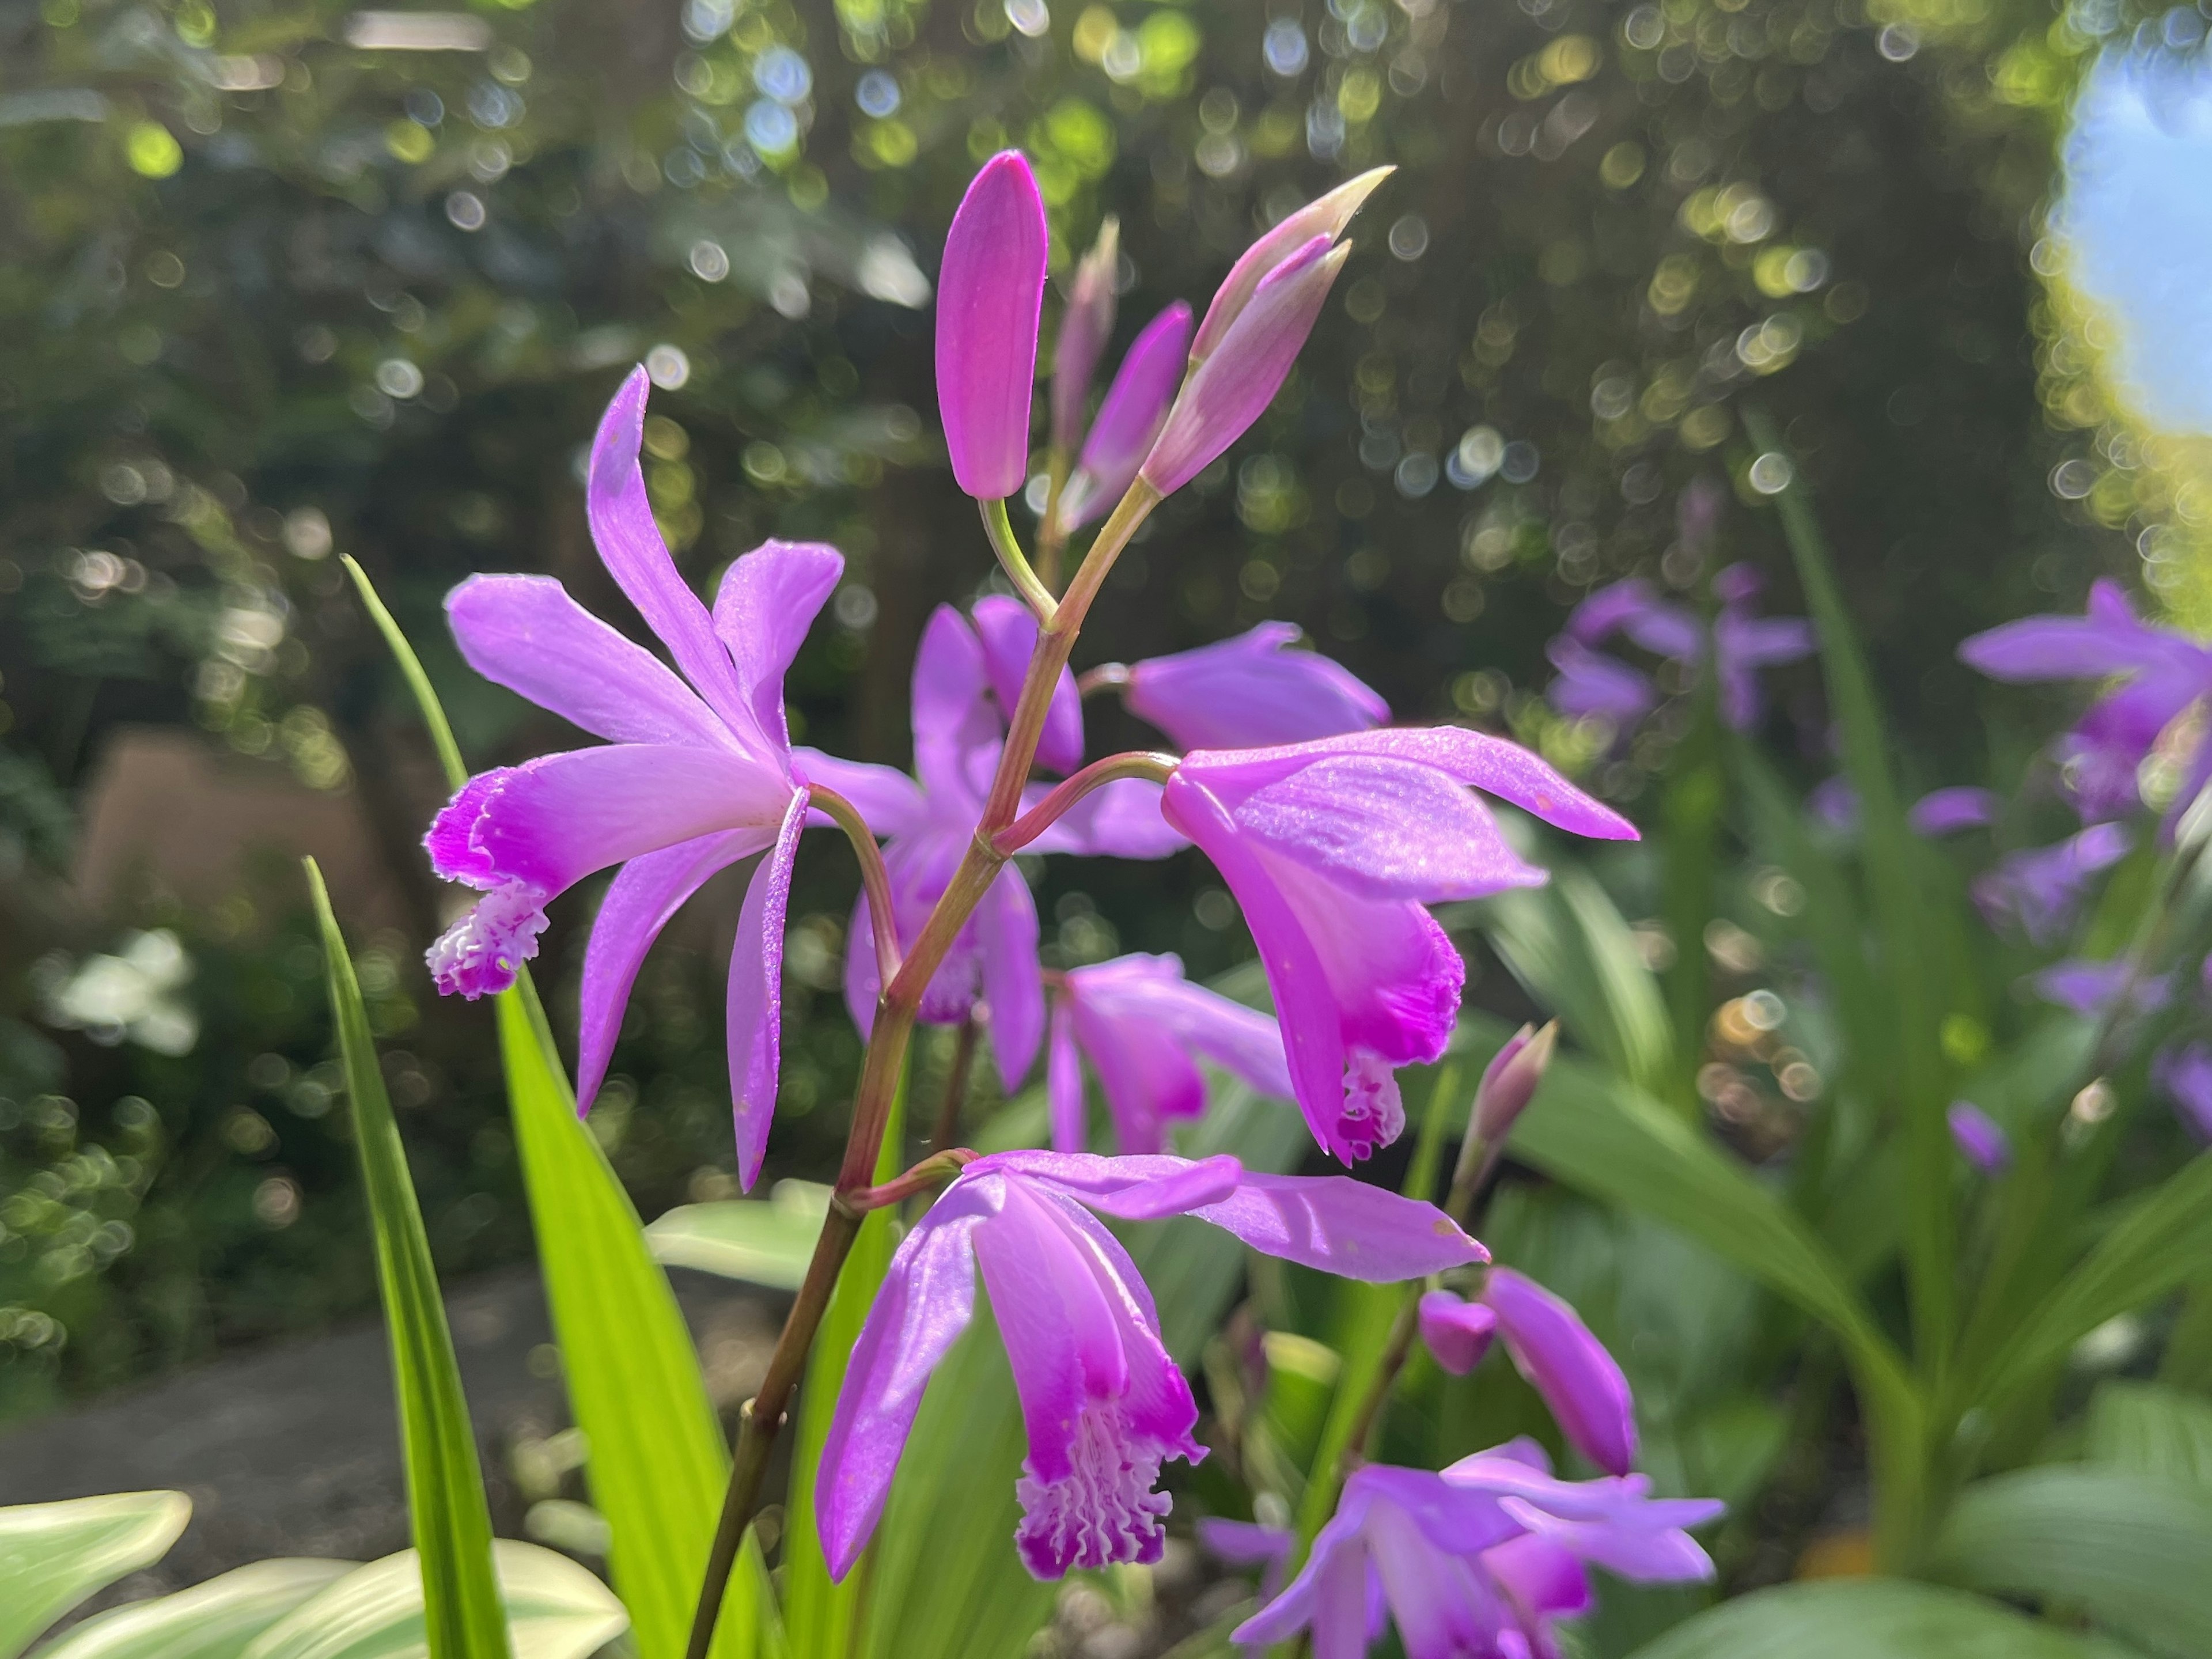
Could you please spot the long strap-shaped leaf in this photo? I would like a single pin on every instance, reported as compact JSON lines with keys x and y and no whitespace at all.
{"x":656,"y":1462}
{"x":446,"y":1505}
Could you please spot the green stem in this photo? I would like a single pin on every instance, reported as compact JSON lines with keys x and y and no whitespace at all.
{"x":1014,"y":562}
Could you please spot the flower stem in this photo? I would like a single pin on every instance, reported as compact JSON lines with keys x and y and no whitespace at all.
{"x":1014,"y":562}
{"x":1051,"y":535}
{"x":936,"y":1168}
{"x":875,"y":879}
{"x":1112,"y":767}
{"x":956,"y":1083}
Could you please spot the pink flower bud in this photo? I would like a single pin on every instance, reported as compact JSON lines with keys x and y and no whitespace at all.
{"x":1083,"y":329}
{"x":1326,"y":217}
{"x":1229,"y":390}
{"x":1136,"y":406}
{"x":1509,"y":1081}
{"x":990,"y":293}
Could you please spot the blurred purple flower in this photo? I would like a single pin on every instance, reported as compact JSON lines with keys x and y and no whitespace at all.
{"x":1144,"y":1028}
{"x":990,"y":297}
{"x":2092,"y":987}
{"x":1509,"y":1081}
{"x":2162,"y":674}
{"x":1834,"y":805}
{"x":1947,"y":811}
{"x":1551,"y":1348}
{"x":697,"y":774}
{"x":1084,"y":328}
{"x":1332,"y":848}
{"x":2182,"y":1073}
{"x":1135,"y":408}
{"x":1980,"y":1138}
{"x":1251,"y":692}
{"x":2038,"y":890}
{"x":1104,"y":1403}
{"x":1594,"y":686}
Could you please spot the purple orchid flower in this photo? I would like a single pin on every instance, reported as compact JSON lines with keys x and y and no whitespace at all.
{"x":1550,"y":1346}
{"x":1145,"y":1027}
{"x":2182,"y":1073}
{"x":1593,"y":685}
{"x":1980,"y":1138}
{"x":2040,"y":890}
{"x":1084,"y":328}
{"x":1332,"y":848}
{"x":1483,"y":1559}
{"x":2162,"y":675}
{"x":1104,"y":1403}
{"x":1251,"y":692}
{"x":1947,"y":811}
{"x":2094,"y":987}
{"x":1130,"y":418}
{"x":990,"y":300}
{"x":695,"y":775}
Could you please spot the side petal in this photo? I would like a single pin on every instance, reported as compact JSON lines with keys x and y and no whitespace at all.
{"x":1251,"y":691}
{"x":1063,"y":1082}
{"x":1008,"y":629}
{"x":925,"y":1302}
{"x":1012,"y":978}
{"x":889,"y":802}
{"x":755,"y":998}
{"x":1579,"y":1380}
{"x":951,"y":717}
{"x":630,"y":547}
{"x":863,"y":980}
{"x":1145,"y":1075}
{"x":1343,"y":1226}
{"x":645,"y":894}
{"x":769,"y":599}
{"x":526,"y":634}
{"x":1648,"y":1554}
{"x":1117,"y":820}
{"x":1130,"y":1188}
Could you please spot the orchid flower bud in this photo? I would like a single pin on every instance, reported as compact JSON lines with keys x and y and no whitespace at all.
{"x":990,"y":295}
{"x":1083,"y":329}
{"x":1129,"y":419}
{"x":1327,"y":216}
{"x":1509,"y":1081}
{"x":1229,"y":390}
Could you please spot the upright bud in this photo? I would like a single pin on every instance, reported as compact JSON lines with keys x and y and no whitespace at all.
{"x":990,"y":293}
{"x":1135,"y":407}
{"x":1229,"y":390}
{"x":1084,"y":330}
{"x":1509,"y":1081}
{"x":1326,"y":217}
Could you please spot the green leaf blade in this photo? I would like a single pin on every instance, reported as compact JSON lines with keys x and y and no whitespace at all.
{"x":217,"y":1619}
{"x":1863,"y":1619}
{"x":53,"y":1556}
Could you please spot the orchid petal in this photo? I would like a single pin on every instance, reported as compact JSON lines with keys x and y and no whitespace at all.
{"x":889,"y":802}
{"x":1579,"y":1380}
{"x":755,"y":994}
{"x":1456,"y":1331}
{"x":1135,"y":408}
{"x":952,"y":722}
{"x":1251,"y":691}
{"x":769,"y":599}
{"x":1009,"y":632}
{"x":1326,"y":217}
{"x":1342,"y":1226}
{"x":1652,"y":1554}
{"x":1063,"y":1082}
{"x":1012,"y":980}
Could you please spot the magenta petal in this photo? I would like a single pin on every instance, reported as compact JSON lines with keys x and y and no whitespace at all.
{"x":990,"y":296}
{"x":645,"y":894}
{"x":1117,"y":820}
{"x":1652,"y":1554}
{"x":889,"y":802}
{"x":1979,"y":1137}
{"x":767,"y":601}
{"x":1579,"y":1380}
{"x":1134,"y":1001}
{"x":756,"y":997}
{"x":1456,"y":1331}
{"x":1251,"y":692}
{"x":1063,"y":1082}
{"x":630,"y":547}
{"x":1244,"y":1543}
{"x":956,"y":731}
{"x":1009,"y":632}
{"x":1135,"y":408}
{"x":1145,"y":1076}
{"x":526,"y":634}
{"x":1943,"y":812}
{"x":1084,"y":328}
{"x":1343,"y":1226}
{"x":925,"y":1303}
{"x":450,"y":842}
{"x":1325,"y":216}
{"x":1135,"y":1188}
{"x":1231,"y":389}
{"x":1540,"y":1576}
{"x":1592,"y":684}
{"x":1012,"y":980}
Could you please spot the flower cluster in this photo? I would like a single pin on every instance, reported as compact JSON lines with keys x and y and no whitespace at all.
{"x":1334,"y":830}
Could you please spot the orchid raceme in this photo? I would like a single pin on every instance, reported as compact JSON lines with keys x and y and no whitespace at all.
{"x":1252,"y":691}
{"x":1103,"y":1403}
{"x":696,"y":774}
{"x":1332,"y":848}
{"x":1144,"y":1028}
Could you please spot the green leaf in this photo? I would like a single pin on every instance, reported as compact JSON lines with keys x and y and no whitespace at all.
{"x":1862,"y":1619}
{"x":54,"y":1555}
{"x":761,"y":1241}
{"x":217,"y":1619}
{"x":656,"y":1461}
{"x":446,"y":1512}
{"x":2136,"y":1553}
{"x":553,"y":1608}
{"x":2159,"y":1433}
{"x":1569,"y":946}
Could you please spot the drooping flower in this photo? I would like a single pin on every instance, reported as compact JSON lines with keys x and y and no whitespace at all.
{"x":2038,"y":890}
{"x":2182,"y":1073}
{"x":1550,"y":1346}
{"x":1947,"y":811}
{"x":1135,"y":408}
{"x":1084,"y":328}
{"x":1481,"y":1561}
{"x":1143,"y":1027}
{"x":697,"y":774}
{"x":1104,"y":1403}
{"x":1250,"y":692}
{"x":1332,"y":848}
{"x":2161,"y":674}
{"x":990,"y":300}
{"x":1980,"y":1138}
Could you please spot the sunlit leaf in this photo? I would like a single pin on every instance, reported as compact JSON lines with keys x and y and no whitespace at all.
{"x":217,"y":1619}
{"x":54,"y":1555}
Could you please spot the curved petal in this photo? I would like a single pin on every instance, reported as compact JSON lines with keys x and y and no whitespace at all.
{"x":1440,"y":1607}
{"x":769,"y":599}
{"x":451,"y":843}
{"x":1456,"y":1331}
{"x":1009,"y":632}
{"x":552,"y":821}
{"x":890,"y":802}
{"x":864,"y":983}
{"x":1063,"y":1082}
{"x":925,"y":1302}
{"x":630,"y":547}
{"x":756,"y":995}
{"x":1147,"y":994}
{"x":1324,"y":216}
{"x":1579,"y":1380}
{"x":1646,"y":1554}
{"x":1251,"y":691}
{"x":1349,"y":1228}
{"x":1117,"y":820}
{"x":645,"y":894}
{"x":526,"y":634}
{"x":1128,"y":1188}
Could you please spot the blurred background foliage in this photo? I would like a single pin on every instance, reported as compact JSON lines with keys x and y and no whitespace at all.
{"x":283,"y":280}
